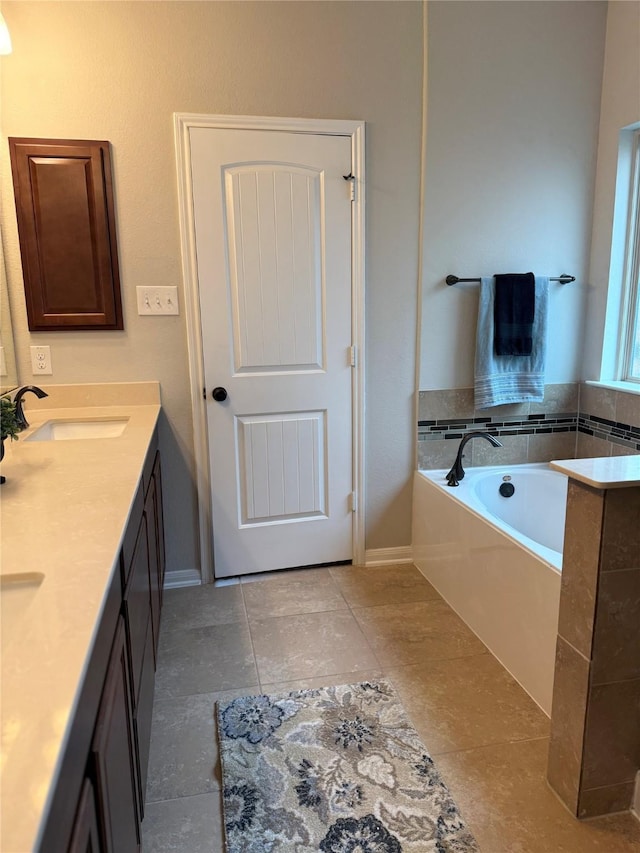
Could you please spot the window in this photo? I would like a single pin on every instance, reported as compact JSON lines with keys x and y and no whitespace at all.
{"x":620,"y":362}
{"x":630,"y":352}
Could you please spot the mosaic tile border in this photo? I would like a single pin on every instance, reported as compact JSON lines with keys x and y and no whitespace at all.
{"x":455,"y":428}
{"x":626,"y":435}
{"x":613,"y":431}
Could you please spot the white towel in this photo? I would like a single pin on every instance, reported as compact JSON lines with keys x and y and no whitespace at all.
{"x":501,"y":379}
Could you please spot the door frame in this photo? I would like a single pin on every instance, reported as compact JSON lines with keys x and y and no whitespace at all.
{"x":355,"y":131}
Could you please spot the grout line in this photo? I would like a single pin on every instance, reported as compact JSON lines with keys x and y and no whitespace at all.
{"x":491,"y":745}
{"x":330,"y":570}
{"x":437,"y":597}
{"x":253,"y":645}
{"x":345,"y":678}
{"x":214,"y":792}
{"x":428,"y":661}
{"x":366,"y":639}
{"x":166,"y":698}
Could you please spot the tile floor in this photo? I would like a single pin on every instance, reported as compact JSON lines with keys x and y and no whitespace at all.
{"x":341,"y":624}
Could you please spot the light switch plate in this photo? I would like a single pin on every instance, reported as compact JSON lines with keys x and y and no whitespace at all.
{"x":157,"y":300}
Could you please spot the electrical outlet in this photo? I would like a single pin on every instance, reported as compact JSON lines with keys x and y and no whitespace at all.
{"x":41,"y":361}
{"x":157,"y":300}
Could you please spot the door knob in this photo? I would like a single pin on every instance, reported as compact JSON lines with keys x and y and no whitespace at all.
{"x":219,"y":394}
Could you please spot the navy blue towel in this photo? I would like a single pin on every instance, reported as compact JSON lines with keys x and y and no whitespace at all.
{"x":514,"y":310}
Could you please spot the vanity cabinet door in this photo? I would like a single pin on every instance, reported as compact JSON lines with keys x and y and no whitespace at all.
{"x":157,"y":479}
{"x":154,"y":575}
{"x":142,"y":612}
{"x":114,"y":753}
{"x":86,"y":836}
{"x":155,"y":531}
{"x":137,"y":606}
{"x":142,"y":719}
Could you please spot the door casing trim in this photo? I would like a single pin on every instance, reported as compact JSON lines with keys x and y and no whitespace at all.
{"x":355,"y":130}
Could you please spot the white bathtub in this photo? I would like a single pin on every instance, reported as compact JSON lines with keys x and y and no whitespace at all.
{"x":496,"y":560}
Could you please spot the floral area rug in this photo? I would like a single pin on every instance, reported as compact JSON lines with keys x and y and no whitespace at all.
{"x":337,"y":770}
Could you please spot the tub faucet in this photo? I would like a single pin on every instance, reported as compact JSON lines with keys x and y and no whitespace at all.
{"x":23,"y":423}
{"x":457,"y":471}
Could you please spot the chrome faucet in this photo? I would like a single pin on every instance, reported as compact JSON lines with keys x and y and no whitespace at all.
{"x":23,"y":423}
{"x":457,"y":471}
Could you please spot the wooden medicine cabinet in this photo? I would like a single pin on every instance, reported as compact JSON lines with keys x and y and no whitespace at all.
{"x":66,"y":225}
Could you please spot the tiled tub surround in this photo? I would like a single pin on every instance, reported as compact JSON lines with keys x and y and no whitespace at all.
{"x":609,"y":422}
{"x":594,"y":751}
{"x":529,"y":432}
{"x":572,"y":421}
{"x":627,"y":437}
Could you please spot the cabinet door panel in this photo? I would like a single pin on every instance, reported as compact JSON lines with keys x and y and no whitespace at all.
{"x":138,"y":607}
{"x":86,"y":837}
{"x":157,"y":476}
{"x":66,"y":225}
{"x":155,"y":529}
{"x":150,"y":511}
{"x":114,"y":756}
{"x":142,"y":718}
{"x":130,"y":538}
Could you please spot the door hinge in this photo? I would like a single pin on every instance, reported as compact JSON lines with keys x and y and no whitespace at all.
{"x":351,"y":178}
{"x":352,"y":356}
{"x":353,"y":502}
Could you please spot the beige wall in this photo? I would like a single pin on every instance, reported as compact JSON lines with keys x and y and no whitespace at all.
{"x":512,"y":128}
{"x":118,"y":71}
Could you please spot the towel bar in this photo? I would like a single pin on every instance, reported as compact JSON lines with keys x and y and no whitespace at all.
{"x":563,"y":279}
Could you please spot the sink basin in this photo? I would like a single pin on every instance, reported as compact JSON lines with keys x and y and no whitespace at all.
{"x":17,"y":591}
{"x":71,"y":430}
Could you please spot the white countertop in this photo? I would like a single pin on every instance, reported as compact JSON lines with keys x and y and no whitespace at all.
{"x":65,"y":507}
{"x":605,"y":472}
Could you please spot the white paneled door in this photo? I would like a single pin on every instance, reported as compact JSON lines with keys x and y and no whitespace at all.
{"x":272,"y":214}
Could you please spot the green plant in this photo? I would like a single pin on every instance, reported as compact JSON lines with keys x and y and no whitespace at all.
{"x":9,"y":426}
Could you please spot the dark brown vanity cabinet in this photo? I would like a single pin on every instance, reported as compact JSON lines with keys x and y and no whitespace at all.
{"x":66,"y":225}
{"x":114,"y":755}
{"x":98,"y":804}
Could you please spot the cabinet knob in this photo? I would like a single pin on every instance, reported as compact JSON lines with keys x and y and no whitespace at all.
{"x":219,"y":394}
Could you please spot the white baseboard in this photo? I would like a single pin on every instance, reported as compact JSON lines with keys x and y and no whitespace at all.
{"x":384,"y":556}
{"x":182,"y":577}
{"x":372,"y":557}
